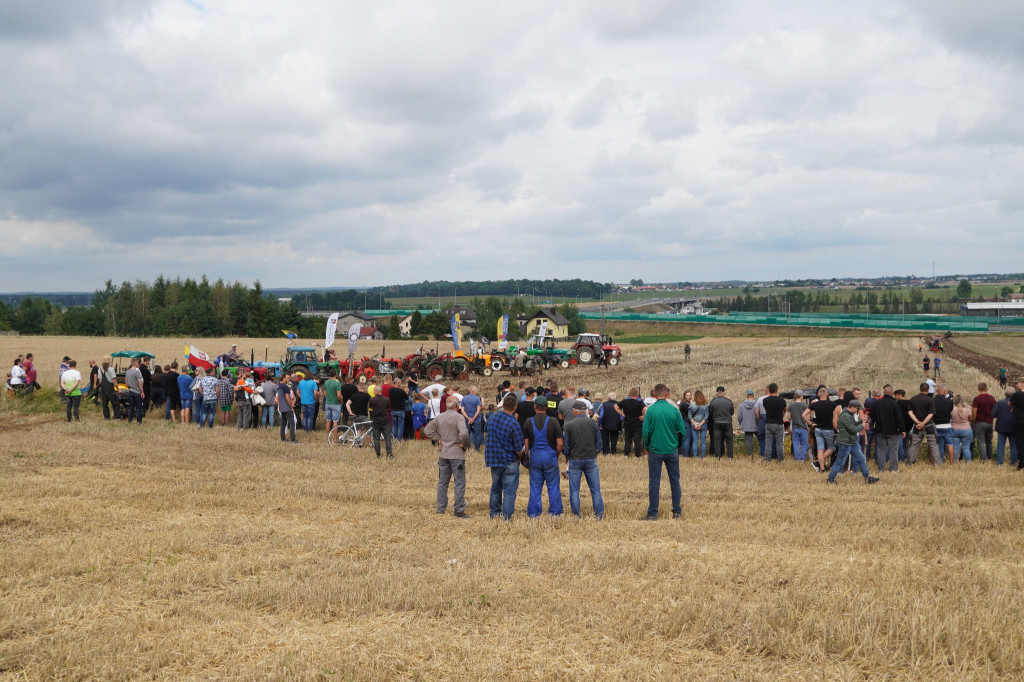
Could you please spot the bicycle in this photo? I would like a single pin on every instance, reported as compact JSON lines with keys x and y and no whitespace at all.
{"x":352,"y":435}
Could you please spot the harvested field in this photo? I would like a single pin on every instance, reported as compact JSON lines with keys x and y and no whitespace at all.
{"x":165,"y":552}
{"x":989,"y":353}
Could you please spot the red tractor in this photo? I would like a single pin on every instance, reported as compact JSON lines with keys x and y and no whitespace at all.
{"x":589,"y":347}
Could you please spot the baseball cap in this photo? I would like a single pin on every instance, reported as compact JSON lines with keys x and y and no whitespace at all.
{"x":540,"y":400}
{"x":720,"y":389}
{"x":750,"y":391}
{"x":579,"y":405}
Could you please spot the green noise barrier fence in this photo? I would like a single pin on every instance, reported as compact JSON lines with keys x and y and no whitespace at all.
{"x":920,"y":323}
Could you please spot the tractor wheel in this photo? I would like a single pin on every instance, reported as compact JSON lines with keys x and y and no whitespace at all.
{"x":613,"y":360}
{"x":301,"y":369}
{"x":369,"y":368}
{"x":585,"y":354}
{"x":435,"y":371}
{"x":487,"y":371}
{"x":496,"y":364}
{"x":361,"y":378}
{"x":463,"y":376}
{"x":564,"y":364}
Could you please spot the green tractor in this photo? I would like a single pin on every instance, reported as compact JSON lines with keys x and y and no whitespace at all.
{"x":543,"y":350}
{"x":303,"y":360}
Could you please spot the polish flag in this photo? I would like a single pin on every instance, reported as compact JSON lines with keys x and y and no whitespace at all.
{"x":197,"y":358}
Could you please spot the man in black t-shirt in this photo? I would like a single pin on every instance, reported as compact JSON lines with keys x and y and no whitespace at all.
{"x":632,"y":424}
{"x":774,"y":409}
{"x":398,"y":398}
{"x":358,"y":406}
{"x":348,"y":390}
{"x":824,"y":413}
{"x":172,"y":396}
{"x":525,"y":408}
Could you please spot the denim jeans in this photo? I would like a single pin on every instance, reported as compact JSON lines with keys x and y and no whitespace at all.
{"x":544,"y":473}
{"x":398,"y":424}
{"x":504,"y":486}
{"x":1001,"y":439}
{"x":860,"y":463}
{"x":197,"y":409}
{"x":167,"y":409}
{"x":209,"y":412}
{"x":654,"y":463}
{"x":686,"y":446}
{"x":134,"y":406}
{"x":308,"y":415}
{"x":699,"y":445}
{"x":585,"y":468}
{"x":799,"y":438}
{"x":267,"y":419}
{"x":962,"y":440}
{"x":476,"y":432}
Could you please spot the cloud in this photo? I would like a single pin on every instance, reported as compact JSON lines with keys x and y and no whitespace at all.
{"x":395,"y":137}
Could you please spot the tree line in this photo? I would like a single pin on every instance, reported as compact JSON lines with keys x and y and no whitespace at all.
{"x":890,"y":302}
{"x":506,"y":287}
{"x":186,"y":308}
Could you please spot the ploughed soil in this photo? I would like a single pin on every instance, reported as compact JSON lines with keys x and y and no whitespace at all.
{"x":985,"y":363}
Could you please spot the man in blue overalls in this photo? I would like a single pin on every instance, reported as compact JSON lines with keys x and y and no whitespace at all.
{"x":543,"y":436}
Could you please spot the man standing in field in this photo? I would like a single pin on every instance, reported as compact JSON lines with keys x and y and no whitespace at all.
{"x":225,"y":396}
{"x":332,"y":401}
{"x":632,"y":424}
{"x":720,"y":411}
{"x":449,"y":429}
{"x":981,"y":417}
{"x":663,"y":430}
{"x":286,"y":407}
{"x":1017,"y":404}
{"x":889,"y":430}
{"x":1002,"y":416}
{"x":172,"y":397}
{"x":848,"y":428}
{"x":307,"y":398}
{"x":582,"y":442}
{"x":503,"y":450}
{"x":943,"y":411}
{"x":244,"y":388}
{"x":136,"y":393}
{"x":184,"y":390}
{"x":543,"y":437}
{"x":108,"y":390}
{"x":922,"y":412}
{"x":798,"y":430}
{"x":380,"y":424}
{"x":147,"y":383}
{"x":747,"y":419}
{"x":473,"y":411}
{"x":774,"y":408}
{"x":825,"y":415}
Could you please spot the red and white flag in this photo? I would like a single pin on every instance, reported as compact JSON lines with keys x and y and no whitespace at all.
{"x":196,"y":357}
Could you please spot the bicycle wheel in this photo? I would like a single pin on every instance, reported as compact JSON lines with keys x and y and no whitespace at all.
{"x":332,"y":437}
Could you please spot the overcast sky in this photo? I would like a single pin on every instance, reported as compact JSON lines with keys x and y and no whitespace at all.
{"x":325,"y":143}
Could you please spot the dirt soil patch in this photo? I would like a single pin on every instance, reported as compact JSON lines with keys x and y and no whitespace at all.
{"x":984,"y":363}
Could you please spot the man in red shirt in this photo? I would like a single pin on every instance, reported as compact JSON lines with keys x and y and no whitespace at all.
{"x":385,"y":388}
{"x":30,"y":372}
{"x":981,"y":416}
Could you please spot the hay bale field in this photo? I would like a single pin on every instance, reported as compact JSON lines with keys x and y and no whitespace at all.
{"x":165,"y":552}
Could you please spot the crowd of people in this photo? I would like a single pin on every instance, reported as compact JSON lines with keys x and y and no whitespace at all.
{"x":526,"y":426}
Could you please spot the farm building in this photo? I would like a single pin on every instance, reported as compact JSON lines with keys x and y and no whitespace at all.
{"x":994,"y":309}
{"x":371,"y":334}
{"x":350,"y":317}
{"x":558,"y":326}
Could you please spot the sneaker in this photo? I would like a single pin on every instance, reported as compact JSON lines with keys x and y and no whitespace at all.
{"x":831,"y":481}
{"x":649,"y":517}
{"x":462,"y":515}
{"x":871,"y":479}
{"x":817,"y":467}
{"x":565,"y":474}
{"x":677,"y":515}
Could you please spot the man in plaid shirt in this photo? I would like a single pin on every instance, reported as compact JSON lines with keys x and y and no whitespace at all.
{"x":502,"y":452}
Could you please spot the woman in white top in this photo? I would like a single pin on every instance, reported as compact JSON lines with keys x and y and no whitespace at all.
{"x":17,"y":373}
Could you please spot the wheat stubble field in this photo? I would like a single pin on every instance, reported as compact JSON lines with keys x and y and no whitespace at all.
{"x":160,"y":552}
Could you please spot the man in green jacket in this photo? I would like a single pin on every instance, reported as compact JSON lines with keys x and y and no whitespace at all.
{"x":848,"y":431}
{"x":663,"y":428}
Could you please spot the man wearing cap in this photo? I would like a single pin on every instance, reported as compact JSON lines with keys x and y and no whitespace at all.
{"x":232,"y":354}
{"x":582,"y":442}
{"x":663,"y":429}
{"x":848,"y":428}
{"x":543,"y":437}
{"x":108,"y":389}
{"x":720,"y":411}
{"x":503,"y":450}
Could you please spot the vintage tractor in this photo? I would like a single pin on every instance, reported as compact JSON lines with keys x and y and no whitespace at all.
{"x":304,"y":362}
{"x":589,"y":347}
{"x":543,"y":350}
